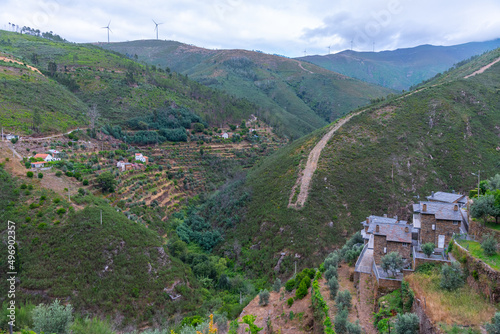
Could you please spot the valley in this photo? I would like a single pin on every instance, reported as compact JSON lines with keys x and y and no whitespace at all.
{"x":173,"y":189}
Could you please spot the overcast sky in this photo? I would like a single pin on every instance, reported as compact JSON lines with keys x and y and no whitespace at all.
{"x":286,"y":27}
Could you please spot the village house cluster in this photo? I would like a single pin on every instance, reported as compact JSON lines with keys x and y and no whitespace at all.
{"x":435,"y":221}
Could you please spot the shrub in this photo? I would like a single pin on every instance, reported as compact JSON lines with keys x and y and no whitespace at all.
{"x":489,"y":245}
{"x":58,"y":173}
{"x":290,"y":285}
{"x":301,"y":291}
{"x":94,"y":325}
{"x":331,"y":272}
{"x":24,"y":186}
{"x":40,"y":175}
{"x":263,"y":297}
{"x":81,"y":191}
{"x":332,"y":260}
{"x":56,"y":200}
{"x":392,"y":262}
{"x":29,"y":174}
{"x":106,"y":181}
{"x":290,"y":302}
{"x":354,"y":328}
{"x":428,"y":248}
{"x":494,"y":326}
{"x":407,"y":323}
{"x":85,"y":182}
{"x":277,"y":285}
{"x":333,"y":285}
{"x":451,"y":277}
{"x":343,"y":300}
{"x":53,"y":318}
{"x":61,"y":211}
{"x":340,"y":321}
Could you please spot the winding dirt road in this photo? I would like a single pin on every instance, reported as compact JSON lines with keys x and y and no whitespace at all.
{"x":482,"y":69}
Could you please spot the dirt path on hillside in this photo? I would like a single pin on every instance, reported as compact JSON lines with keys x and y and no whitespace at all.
{"x":482,"y":69}
{"x":49,"y":137}
{"x":302,"y":67}
{"x":304,"y":179}
{"x":365,"y":303}
{"x":34,"y":69}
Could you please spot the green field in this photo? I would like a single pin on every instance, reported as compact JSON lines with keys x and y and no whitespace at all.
{"x":476,"y":251}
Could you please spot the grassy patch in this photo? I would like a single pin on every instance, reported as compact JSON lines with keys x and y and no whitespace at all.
{"x":462,"y":307}
{"x":475,"y":250}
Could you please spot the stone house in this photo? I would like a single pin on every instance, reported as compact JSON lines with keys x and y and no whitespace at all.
{"x":438,"y":221}
{"x":444,"y":197}
{"x":391,"y":238}
{"x":142,"y":158}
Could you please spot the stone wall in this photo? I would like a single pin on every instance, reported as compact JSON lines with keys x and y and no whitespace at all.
{"x":443,"y":227}
{"x":478,"y":230}
{"x":380,"y":242}
{"x":426,"y":325}
{"x":481,"y":277}
{"x":419,"y":261}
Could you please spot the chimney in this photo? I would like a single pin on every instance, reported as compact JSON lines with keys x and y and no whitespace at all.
{"x":424,"y":207}
{"x":368,"y":220}
{"x":432,"y":194}
{"x":455,"y":207}
{"x":407,"y":229}
{"x":377,"y":228}
{"x":396,"y":217}
{"x":385,"y":215}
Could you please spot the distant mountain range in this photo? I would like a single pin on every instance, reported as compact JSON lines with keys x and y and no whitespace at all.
{"x":402,"y":68}
{"x":295,"y":97}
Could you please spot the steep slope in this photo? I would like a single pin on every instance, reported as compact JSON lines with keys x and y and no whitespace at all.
{"x":119,"y":268}
{"x":26,"y":96}
{"x":401,"y":68}
{"x":299,"y":97}
{"x":378,"y":162}
{"x":120,"y":87}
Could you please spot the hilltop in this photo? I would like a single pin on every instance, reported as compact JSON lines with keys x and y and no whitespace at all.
{"x":296,"y":97}
{"x":402,"y":68}
{"x":380,"y":160}
{"x":71,"y":77}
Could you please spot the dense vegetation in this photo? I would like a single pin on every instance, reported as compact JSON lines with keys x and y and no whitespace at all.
{"x":379,"y":162}
{"x":76,"y":76}
{"x":294,"y":97}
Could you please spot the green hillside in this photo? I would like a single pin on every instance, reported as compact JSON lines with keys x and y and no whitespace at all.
{"x":295,"y":97}
{"x":378,"y":162}
{"x":120,"y":87}
{"x":401,"y":68}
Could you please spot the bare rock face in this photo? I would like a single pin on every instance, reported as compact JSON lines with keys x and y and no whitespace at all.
{"x":278,"y":265}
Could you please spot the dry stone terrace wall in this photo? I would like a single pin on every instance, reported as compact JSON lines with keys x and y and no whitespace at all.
{"x":487,"y":281}
{"x":478,"y":230}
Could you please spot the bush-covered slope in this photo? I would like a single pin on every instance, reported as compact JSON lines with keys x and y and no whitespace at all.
{"x":295,"y":96}
{"x":402,"y":68}
{"x":120,"y":87}
{"x":120,"y":268}
{"x":378,"y":162}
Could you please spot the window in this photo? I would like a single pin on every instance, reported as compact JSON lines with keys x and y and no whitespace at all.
{"x":455,"y":222}
{"x":433,"y":227}
{"x":385,"y":250}
{"x":405,"y":244}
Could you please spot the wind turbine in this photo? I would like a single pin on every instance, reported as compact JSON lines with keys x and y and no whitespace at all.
{"x":156,"y":28}
{"x":329,"y":46}
{"x":107,"y":27}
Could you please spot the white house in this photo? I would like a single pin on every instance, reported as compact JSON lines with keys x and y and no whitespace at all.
{"x":142,"y":158}
{"x":45,"y":157}
{"x":225,"y":135}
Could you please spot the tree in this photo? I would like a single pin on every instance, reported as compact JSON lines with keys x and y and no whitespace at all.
{"x":249,"y":320}
{"x":331,"y":272}
{"x":428,"y":248}
{"x":392,"y":262}
{"x":354,"y":328}
{"x":198,"y":127}
{"x":277,"y":285}
{"x":29,"y":174}
{"x":343,"y":300}
{"x":40,"y":175}
{"x":37,"y":119}
{"x":340,"y":321}
{"x":489,"y":245}
{"x":263,"y":297}
{"x":93,"y":115}
{"x":106,"y":181}
{"x":53,"y":318}
{"x":487,"y":205}
{"x":333,"y":284}
{"x":52,"y":67}
{"x":302,"y":290}
{"x":407,"y":323}
{"x":332,"y":260}
{"x":451,"y":276}
{"x":494,"y":326}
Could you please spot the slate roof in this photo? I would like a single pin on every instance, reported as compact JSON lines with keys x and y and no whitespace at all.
{"x":442,"y":211}
{"x":441,"y":196}
{"x":395,"y":232}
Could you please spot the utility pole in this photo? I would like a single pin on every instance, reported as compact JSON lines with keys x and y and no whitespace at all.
{"x":478,"y":181}
{"x":69,"y":194}
{"x":101,"y":217}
